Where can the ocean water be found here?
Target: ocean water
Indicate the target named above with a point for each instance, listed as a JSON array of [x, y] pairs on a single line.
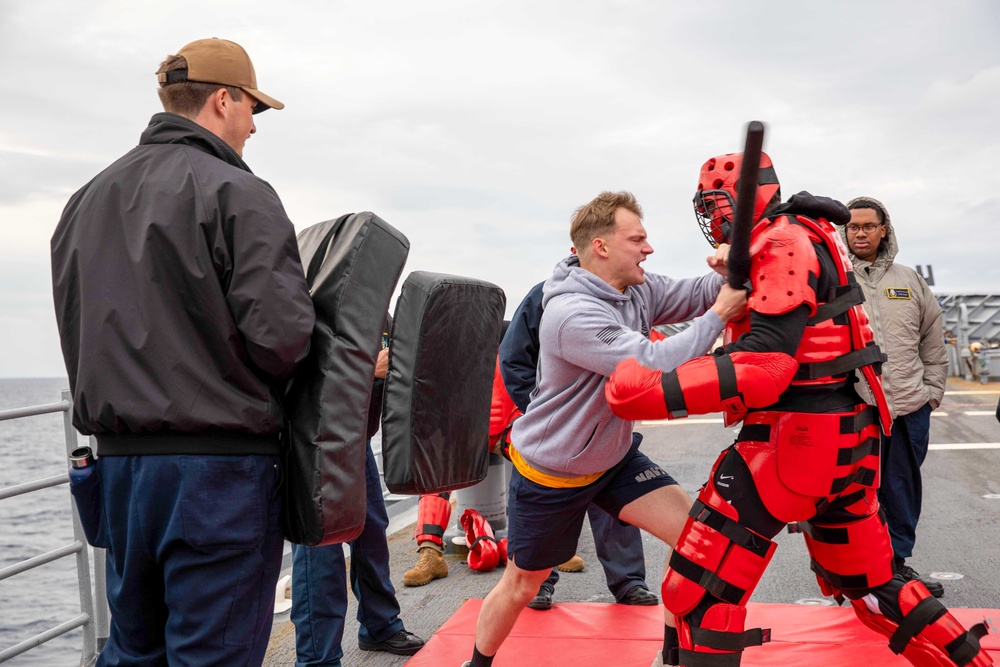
[[34, 448]]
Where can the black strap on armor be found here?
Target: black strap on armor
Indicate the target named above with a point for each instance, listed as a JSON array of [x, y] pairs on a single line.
[[840, 502], [730, 641], [737, 534], [710, 581], [869, 355], [966, 647], [754, 433], [432, 529], [695, 659], [673, 395], [842, 298], [825, 534], [727, 376], [847, 456], [862, 476], [855, 582], [849, 499], [857, 423], [926, 612]]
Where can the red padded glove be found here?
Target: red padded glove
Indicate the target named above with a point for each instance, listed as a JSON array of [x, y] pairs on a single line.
[[484, 551], [635, 392]]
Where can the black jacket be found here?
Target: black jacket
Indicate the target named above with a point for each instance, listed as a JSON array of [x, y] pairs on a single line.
[[180, 299]]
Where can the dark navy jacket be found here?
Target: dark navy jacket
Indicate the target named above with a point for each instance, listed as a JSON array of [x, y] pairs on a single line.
[[519, 349]]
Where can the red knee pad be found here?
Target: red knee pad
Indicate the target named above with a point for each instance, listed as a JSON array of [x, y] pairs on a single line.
[[433, 515], [714, 555]]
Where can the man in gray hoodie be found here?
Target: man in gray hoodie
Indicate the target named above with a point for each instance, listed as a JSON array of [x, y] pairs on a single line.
[[907, 322], [570, 450]]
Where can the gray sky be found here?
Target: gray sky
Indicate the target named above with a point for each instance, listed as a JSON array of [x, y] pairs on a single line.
[[477, 128]]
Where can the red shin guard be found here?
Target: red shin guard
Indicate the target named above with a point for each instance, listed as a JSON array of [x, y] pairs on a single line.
[[929, 635], [433, 515]]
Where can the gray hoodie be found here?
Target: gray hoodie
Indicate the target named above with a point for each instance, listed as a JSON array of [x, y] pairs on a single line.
[[587, 328], [908, 325]]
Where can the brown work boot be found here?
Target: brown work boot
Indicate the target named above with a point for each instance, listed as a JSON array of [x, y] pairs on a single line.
[[574, 564], [430, 565]]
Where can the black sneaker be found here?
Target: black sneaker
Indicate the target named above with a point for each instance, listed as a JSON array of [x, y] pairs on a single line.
[[641, 596], [542, 601], [401, 643], [935, 588]]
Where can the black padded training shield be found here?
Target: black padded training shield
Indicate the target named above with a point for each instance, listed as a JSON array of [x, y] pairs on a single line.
[[352, 266], [443, 351]]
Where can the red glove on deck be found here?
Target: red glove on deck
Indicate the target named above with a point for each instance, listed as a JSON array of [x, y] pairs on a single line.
[[485, 552]]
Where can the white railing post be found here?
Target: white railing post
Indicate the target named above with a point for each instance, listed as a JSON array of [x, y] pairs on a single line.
[[89, 650]]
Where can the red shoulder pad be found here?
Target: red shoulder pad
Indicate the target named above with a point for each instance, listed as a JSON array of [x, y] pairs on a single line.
[[782, 259]]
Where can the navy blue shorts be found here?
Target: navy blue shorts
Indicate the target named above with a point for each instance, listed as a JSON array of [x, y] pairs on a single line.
[[544, 523]]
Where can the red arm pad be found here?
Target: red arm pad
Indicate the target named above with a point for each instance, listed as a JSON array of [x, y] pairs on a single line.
[[635, 392], [727, 383]]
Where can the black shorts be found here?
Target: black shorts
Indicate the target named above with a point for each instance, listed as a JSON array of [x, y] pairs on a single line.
[[544, 523]]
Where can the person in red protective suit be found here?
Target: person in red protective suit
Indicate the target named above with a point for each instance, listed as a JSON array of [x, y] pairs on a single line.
[[808, 449]]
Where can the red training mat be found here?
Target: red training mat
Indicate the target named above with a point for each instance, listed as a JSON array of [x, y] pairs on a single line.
[[605, 635]]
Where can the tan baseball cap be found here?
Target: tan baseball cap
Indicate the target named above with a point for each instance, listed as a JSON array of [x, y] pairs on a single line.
[[223, 62]]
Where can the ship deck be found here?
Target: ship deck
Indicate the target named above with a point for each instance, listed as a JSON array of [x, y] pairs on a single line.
[[958, 541]]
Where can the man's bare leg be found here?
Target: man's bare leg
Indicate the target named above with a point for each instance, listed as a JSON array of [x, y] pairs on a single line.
[[662, 513], [504, 604]]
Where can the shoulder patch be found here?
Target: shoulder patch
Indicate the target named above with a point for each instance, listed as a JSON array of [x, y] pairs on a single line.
[[897, 292], [609, 333]]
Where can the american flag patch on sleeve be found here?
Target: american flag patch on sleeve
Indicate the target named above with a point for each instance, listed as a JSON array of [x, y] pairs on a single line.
[[609, 333]]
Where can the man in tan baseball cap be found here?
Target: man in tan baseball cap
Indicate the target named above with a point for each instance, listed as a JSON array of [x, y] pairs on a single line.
[[183, 309], [213, 83], [222, 62]]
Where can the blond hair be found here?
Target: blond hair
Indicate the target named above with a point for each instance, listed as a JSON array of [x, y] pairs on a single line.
[[596, 218]]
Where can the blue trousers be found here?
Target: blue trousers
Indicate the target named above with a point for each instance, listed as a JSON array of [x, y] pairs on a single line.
[[901, 491], [319, 586], [619, 548], [193, 556]]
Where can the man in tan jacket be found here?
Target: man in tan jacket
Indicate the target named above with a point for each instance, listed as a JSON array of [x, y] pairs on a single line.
[[908, 327]]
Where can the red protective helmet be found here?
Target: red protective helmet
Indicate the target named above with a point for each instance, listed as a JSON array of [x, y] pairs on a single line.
[[715, 200]]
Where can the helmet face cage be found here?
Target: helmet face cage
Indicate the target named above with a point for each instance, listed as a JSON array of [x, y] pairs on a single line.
[[714, 211]]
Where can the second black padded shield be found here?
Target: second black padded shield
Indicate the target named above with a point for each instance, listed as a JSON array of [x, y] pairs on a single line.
[[352, 266], [436, 416]]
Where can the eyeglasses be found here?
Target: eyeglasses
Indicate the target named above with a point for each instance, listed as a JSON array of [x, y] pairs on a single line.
[[869, 228]]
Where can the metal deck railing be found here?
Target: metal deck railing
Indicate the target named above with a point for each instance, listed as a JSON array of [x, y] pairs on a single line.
[[94, 616]]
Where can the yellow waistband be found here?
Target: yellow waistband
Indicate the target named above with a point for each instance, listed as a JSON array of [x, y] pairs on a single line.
[[544, 478]]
